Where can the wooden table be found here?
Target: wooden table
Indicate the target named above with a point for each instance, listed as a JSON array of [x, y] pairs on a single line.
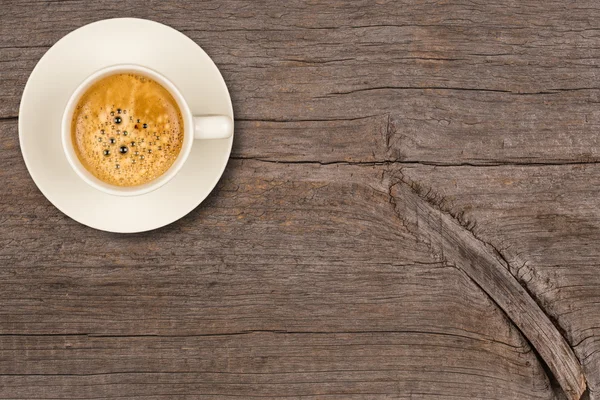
[[411, 211]]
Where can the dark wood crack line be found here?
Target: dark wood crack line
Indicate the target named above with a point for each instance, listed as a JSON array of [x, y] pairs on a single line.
[[485, 164], [467, 336], [447, 88], [451, 242], [388, 133]]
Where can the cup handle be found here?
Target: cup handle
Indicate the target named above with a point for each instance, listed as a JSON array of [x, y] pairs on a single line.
[[213, 127]]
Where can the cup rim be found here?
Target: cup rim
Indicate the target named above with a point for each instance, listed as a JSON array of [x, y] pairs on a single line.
[[87, 176]]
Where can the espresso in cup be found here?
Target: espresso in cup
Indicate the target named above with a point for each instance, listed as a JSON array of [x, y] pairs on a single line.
[[127, 129]]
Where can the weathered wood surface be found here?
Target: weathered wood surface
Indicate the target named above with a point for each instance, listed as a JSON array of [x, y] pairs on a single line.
[[411, 212]]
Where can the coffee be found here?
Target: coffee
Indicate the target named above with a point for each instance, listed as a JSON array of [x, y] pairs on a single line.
[[127, 129]]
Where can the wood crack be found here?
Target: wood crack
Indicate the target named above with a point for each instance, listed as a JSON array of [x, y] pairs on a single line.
[[368, 89], [269, 331], [287, 120], [456, 244], [523, 283], [266, 331], [388, 133], [420, 163]]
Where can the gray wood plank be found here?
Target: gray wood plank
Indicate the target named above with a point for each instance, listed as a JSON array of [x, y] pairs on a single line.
[[377, 90], [519, 89], [280, 253], [269, 364], [301, 273]]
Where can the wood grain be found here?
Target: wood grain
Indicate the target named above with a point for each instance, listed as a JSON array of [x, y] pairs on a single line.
[[549, 242], [456, 244], [322, 292], [266, 365], [411, 212]]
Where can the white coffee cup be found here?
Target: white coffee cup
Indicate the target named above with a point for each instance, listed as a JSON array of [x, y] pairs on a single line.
[[195, 127]]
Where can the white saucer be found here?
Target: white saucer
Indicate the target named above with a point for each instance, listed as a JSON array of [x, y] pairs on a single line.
[[66, 65]]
